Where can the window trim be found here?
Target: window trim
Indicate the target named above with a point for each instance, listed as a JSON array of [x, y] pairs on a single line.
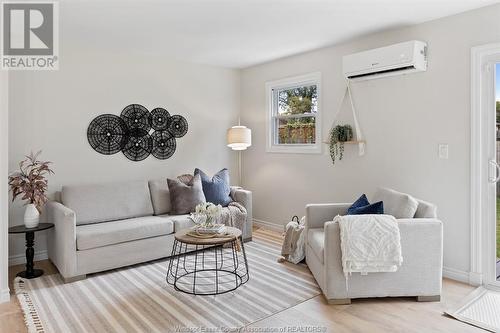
[[290, 82]]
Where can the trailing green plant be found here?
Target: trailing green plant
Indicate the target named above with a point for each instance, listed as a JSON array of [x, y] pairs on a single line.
[[338, 135]]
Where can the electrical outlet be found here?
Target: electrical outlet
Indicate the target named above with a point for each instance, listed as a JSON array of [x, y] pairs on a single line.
[[443, 151]]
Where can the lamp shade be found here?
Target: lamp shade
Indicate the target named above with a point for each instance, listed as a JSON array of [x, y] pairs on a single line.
[[239, 137]]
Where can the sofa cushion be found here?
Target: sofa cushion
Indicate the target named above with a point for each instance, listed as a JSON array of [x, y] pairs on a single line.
[[216, 189], [108, 202], [185, 197], [96, 235], [160, 196], [180, 221], [398, 204], [316, 240], [426, 210]]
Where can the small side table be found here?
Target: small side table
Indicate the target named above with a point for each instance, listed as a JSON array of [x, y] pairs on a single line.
[[30, 271]]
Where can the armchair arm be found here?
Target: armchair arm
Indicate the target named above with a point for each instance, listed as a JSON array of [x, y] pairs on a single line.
[[62, 238], [422, 249], [244, 197], [318, 214]]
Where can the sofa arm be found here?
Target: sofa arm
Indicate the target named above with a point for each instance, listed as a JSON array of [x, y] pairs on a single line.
[[318, 214], [244, 197], [62, 238]]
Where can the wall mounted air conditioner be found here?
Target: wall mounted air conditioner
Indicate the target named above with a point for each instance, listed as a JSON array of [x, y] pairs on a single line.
[[401, 58]]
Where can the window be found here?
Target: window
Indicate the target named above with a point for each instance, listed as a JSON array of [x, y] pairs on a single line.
[[294, 124]]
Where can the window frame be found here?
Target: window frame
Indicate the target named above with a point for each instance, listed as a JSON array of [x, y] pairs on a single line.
[[272, 106]]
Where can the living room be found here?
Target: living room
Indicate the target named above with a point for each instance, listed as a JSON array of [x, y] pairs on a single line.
[[267, 119]]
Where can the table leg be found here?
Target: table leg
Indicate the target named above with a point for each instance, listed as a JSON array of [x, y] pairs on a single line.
[[30, 271]]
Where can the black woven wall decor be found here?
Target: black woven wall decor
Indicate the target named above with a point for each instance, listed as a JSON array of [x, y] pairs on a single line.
[[137, 133]]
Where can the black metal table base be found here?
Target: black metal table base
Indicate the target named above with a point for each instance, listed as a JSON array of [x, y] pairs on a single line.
[[207, 269], [30, 275]]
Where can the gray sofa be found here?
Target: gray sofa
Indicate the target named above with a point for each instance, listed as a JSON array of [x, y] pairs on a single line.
[[101, 227]]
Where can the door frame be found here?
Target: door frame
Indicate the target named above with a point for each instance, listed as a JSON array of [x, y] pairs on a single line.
[[4, 194], [483, 192]]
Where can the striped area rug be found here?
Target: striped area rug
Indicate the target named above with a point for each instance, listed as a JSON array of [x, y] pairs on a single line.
[[137, 298]]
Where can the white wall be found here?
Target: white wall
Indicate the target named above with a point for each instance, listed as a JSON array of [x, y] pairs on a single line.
[[4, 222], [404, 119], [52, 110]]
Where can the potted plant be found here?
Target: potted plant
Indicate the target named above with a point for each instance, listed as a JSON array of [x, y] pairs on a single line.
[[338, 136], [30, 182]]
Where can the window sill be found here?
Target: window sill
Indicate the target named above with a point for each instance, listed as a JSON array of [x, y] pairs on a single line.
[[296, 149]]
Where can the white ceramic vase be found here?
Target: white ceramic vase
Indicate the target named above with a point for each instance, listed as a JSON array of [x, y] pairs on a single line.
[[31, 216]]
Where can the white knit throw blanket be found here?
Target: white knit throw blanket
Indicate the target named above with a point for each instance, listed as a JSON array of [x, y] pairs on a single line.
[[369, 243], [234, 215]]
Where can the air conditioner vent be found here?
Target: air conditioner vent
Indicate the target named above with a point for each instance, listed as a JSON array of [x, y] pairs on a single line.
[[401, 58]]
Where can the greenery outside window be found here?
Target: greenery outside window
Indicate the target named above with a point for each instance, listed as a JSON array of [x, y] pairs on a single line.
[[294, 108]]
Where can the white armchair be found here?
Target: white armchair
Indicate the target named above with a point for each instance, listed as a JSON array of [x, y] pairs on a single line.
[[420, 274]]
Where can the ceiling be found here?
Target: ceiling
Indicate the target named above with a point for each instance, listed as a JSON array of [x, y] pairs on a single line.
[[239, 33]]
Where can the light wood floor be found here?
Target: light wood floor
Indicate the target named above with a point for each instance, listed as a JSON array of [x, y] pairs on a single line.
[[363, 315]]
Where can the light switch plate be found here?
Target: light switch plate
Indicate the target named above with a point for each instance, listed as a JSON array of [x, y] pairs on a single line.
[[443, 151]]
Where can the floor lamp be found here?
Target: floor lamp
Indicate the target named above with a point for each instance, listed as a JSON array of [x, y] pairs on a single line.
[[239, 138]]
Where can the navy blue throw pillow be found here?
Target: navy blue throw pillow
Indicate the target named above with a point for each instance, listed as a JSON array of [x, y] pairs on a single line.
[[216, 189], [362, 201], [374, 208]]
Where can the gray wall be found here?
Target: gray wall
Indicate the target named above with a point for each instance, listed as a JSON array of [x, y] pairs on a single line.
[[404, 118], [51, 111]]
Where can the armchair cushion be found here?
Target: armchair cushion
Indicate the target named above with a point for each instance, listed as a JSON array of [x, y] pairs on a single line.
[[316, 240], [426, 210], [398, 204]]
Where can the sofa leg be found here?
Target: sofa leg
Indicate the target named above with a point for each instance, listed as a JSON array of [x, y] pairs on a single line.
[[339, 301], [74, 278], [433, 298]]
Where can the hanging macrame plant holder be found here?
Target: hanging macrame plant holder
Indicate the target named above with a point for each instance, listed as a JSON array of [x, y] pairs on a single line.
[[357, 129]]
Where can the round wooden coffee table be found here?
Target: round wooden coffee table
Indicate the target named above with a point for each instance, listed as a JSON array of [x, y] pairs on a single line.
[[207, 266]]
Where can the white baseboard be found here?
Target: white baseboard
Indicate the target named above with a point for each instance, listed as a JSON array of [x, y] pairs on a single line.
[[268, 225], [475, 279], [457, 275], [18, 259], [5, 295]]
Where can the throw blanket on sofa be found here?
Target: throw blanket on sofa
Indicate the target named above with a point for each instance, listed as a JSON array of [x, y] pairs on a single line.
[[234, 215], [369, 243]]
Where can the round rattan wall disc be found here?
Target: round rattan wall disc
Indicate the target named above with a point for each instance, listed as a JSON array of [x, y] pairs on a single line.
[[107, 134], [137, 117], [138, 148], [159, 119], [178, 126], [163, 145]]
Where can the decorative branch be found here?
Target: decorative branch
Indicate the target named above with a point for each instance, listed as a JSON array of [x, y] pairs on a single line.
[[30, 182]]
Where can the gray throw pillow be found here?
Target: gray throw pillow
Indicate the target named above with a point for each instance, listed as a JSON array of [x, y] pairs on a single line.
[[185, 197], [398, 204]]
